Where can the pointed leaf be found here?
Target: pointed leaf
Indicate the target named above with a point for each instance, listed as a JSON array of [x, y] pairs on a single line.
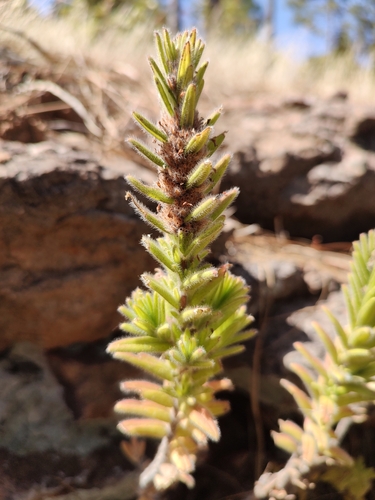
[[313, 360], [161, 52], [144, 409], [198, 141], [157, 367], [284, 441], [199, 174], [366, 314], [301, 398], [291, 428], [218, 407], [157, 252], [154, 193], [214, 143], [203, 209], [144, 427], [224, 200], [185, 62], [327, 341], [188, 107], [146, 214], [139, 344], [205, 422], [144, 151], [162, 288], [150, 128], [213, 118], [148, 390]]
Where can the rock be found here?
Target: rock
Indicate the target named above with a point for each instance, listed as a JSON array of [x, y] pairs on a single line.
[[306, 168], [360, 127], [70, 249], [90, 378], [33, 414]]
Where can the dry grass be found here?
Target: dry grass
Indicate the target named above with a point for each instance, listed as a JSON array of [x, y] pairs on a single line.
[[237, 67], [109, 73]]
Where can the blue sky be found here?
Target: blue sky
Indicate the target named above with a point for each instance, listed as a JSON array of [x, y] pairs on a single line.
[[299, 41]]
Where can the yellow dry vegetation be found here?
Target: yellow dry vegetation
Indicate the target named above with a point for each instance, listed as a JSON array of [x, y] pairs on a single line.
[[108, 74]]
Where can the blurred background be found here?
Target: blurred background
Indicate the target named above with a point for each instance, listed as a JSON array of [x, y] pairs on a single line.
[[304, 27]]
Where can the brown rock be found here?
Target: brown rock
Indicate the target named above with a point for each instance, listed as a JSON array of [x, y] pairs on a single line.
[[306, 169], [70, 250]]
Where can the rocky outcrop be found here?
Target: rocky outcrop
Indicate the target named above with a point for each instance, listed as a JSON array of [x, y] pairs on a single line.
[[70, 250], [307, 167]]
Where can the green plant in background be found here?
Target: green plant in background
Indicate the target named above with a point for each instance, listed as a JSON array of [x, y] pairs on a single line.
[[338, 389], [191, 315]]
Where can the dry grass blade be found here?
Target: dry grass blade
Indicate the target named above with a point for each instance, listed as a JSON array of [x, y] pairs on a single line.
[[63, 95], [45, 54]]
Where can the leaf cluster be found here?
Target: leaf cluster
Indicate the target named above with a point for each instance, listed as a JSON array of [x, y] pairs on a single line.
[[190, 315], [338, 389]]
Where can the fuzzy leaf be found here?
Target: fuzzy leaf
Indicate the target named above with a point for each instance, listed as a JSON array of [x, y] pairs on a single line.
[[194, 314], [161, 287], [205, 237], [203, 209], [218, 171], [232, 325], [301, 398], [205, 422], [188, 107], [148, 390], [162, 83], [291, 428], [144, 427], [199, 174], [227, 351], [200, 73], [313, 360], [156, 367], [327, 341], [132, 329], [139, 344], [284, 441], [198, 141], [198, 52], [154, 193], [213, 118], [148, 409], [144, 151], [183, 67], [199, 278], [214, 143], [223, 201], [150, 128], [157, 252], [161, 52], [146, 214], [169, 47], [165, 96]]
